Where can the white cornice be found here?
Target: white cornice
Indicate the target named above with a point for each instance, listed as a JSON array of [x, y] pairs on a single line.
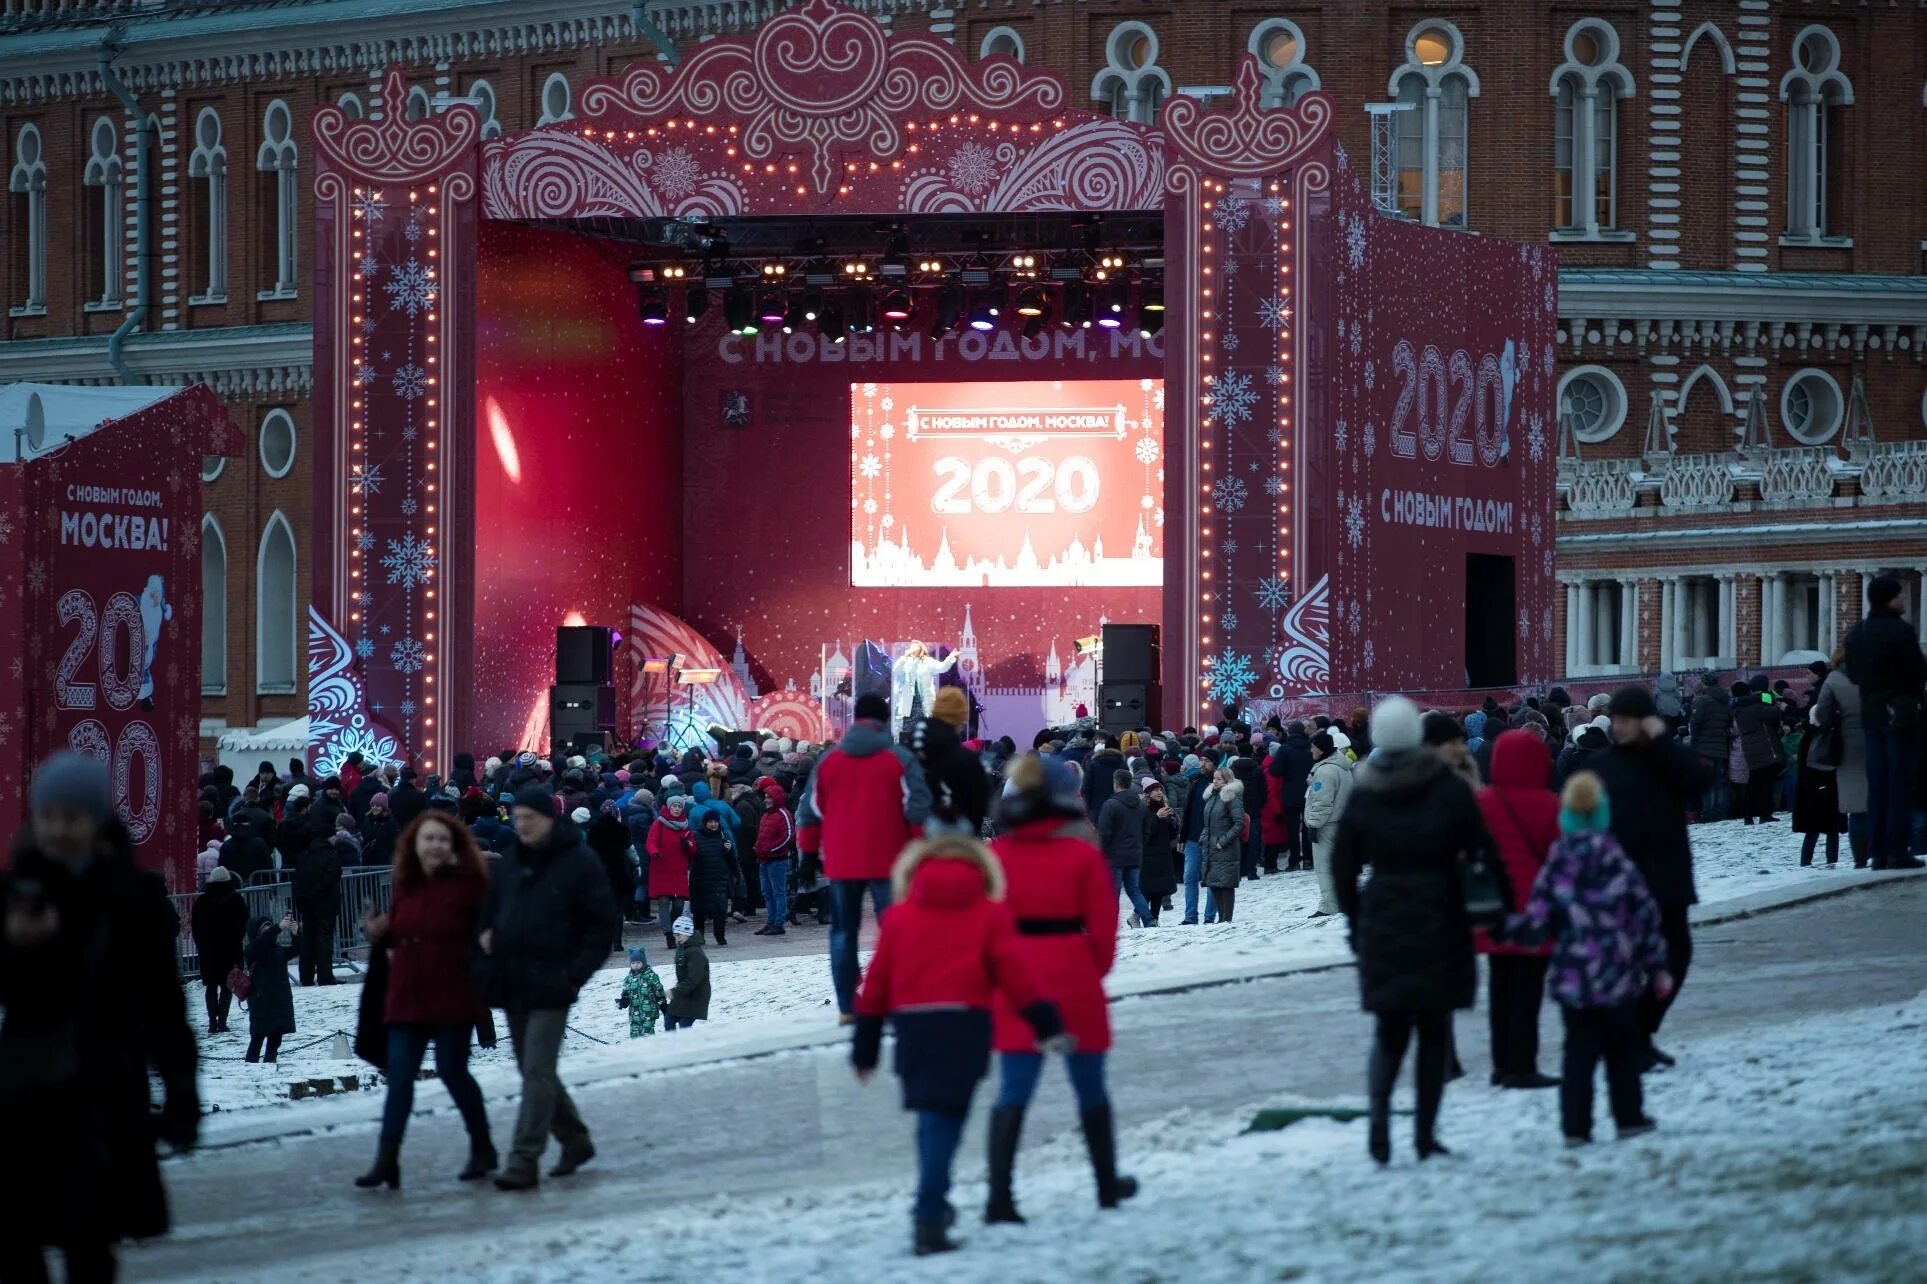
[[1791, 298], [273, 360]]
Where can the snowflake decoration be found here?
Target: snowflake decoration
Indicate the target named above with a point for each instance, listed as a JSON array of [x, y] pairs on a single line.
[[1371, 654], [1536, 437], [37, 575], [1274, 375], [1547, 361], [410, 561], [1229, 620], [1354, 522], [409, 432], [1538, 530], [411, 289], [369, 206], [1355, 240], [1233, 213], [1230, 269], [6, 528], [407, 655], [1157, 516], [1229, 547], [364, 374], [367, 481], [1146, 450], [1370, 441], [1371, 375], [1157, 397], [368, 325], [888, 521], [1230, 341], [1341, 434], [410, 382], [370, 265], [1357, 339], [1229, 675], [1228, 494], [1272, 593], [412, 230], [1354, 617], [1274, 485], [1274, 206], [365, 648], [1274, 434], [1234, 397], [973, 168], [408, 507], [1344, 158], [1546, 563], [887, 431], [1552, 299], [1144, 501], [385, 630], [365, 541], [1525, 621], [869, 466], [870, 507], [365, 598], [1545, 620], [888, 404], [676, 173], [1274, 313], [407, 708]]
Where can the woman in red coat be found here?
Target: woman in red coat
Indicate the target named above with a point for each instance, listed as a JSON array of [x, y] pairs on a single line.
[[1059, 890], [429, 933], [1522, 814], [669, 846]]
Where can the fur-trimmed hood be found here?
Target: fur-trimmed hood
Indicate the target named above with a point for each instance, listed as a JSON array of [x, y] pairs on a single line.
[[1231, 789], [947, 872]]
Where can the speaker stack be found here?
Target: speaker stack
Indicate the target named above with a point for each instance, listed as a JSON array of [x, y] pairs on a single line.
[[1131, 695], [582, 703]]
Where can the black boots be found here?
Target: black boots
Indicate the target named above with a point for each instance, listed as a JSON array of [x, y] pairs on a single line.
[[387, 1169], [1101, 1140], [931, 1237], [1006, 1125], [482, 1160], [1380, 1142], [573, 1157]]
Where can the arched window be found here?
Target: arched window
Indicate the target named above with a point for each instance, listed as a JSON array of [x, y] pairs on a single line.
[[102, 184], [351, 105], [277, 442], [1132, 83], [1280, 47], [1430, 154], [419, 107], [27, 183], [208, 164], [483, 95], [1594, 400], [1811, 407], [1814, 91], [556, 97], [275, 159], [1586, 90], [274, 610], [213, 608], [1002, 41]]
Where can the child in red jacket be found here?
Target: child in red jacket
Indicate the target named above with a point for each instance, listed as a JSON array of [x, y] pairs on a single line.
[[944, 951]]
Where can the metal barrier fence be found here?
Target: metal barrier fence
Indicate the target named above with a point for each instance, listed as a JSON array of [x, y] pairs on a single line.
[[270, 894]]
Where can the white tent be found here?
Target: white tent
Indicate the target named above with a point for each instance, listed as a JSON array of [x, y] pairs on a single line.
[[245, 750], [36, 418]]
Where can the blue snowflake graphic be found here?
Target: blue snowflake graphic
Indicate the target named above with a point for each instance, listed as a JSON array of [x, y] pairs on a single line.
[[1234, 397], [370, 266], [365, 648], [1233, 213], [1228, 494], [364, 374], [407, 708], [365, 541], [369, 206], [1229, 675], [1274, 205], [408, 507], [1354, 521], [410, 562], [1536, 437], [1230, 270], [1274, 485], [411, 289], [1229, 547], [1272, 593], [406, 655], [386, 630], [368, 481], [411, 381], [1230, 341], [1229, 619], [1274, 434], [1274, 375], [409, 432], [413, 231], [1274, 313]]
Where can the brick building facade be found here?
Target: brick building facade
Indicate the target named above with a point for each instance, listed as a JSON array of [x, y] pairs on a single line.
[[1744, 310]]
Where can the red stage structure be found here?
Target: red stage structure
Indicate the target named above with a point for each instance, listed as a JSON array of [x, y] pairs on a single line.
[[1352, 489]]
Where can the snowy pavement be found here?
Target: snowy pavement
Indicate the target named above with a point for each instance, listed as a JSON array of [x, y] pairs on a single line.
[[1732, 861]]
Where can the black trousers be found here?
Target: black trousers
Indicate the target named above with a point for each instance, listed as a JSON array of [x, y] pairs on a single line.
[[1756, 797], [1592, 1035], [1297, 850], [1679, 956], [219, 1000], [1393, 1036], [258, 1047], [315, 948], [1517, 981], [712, 909], [91, 1262]]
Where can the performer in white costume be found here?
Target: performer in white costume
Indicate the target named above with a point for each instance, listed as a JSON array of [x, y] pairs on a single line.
[[913, 684]]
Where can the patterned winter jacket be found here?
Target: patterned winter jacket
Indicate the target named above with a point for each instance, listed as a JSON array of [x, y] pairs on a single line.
[[1604, 923], [642, 994]]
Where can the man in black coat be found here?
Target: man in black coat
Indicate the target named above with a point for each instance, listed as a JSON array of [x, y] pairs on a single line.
[[379, 832], [405, 800], [546, 926], [93, 1003], [246, 852], [1251, 774], [1652, 781], [1884, 661], [1104, 764], [317, 901], [1290, 773], [959, 790]]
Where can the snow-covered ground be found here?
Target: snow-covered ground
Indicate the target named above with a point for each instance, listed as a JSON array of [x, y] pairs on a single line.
[[1273, 929], [1784, 1152]]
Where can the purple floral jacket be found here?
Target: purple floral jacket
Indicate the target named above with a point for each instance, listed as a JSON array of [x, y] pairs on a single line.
[[1593, 902]]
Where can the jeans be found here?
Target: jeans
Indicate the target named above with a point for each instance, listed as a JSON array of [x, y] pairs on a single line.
[[1713, 805], [1893, 759], [407, 1043], [846, 922], [1593, 1034], [671, 1023], [1129, 882], [1193, 872], [938, 1133], [1516, 983], [775, 877], [1678, 933], [546, 1107], [1020, 1071]]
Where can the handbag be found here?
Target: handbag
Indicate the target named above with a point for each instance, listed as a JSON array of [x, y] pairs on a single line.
[[239, 983], [1825, 748], [1482, 884]]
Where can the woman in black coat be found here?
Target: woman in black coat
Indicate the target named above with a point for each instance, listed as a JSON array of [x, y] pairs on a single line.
[[219, 920], [1158, 877], [1413, 820], [709, 874], [271, 999], [608, 838], [1816, 804]]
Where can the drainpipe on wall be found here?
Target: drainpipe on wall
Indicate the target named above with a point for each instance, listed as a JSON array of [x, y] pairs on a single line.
[[145, 129], [647, 26]]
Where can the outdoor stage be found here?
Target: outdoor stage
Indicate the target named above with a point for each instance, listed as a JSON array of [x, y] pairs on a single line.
[[1325, 465]]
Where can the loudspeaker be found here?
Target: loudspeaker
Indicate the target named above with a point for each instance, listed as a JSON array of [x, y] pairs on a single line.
[[583, 653], [1130, 653], [1126, 706], [580, 711]]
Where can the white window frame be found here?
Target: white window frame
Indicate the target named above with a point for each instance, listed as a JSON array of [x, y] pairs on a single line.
[[1131, 92], [482, 94], [1811, 437], [213, 675], [1430, 84], [1283, 84], [1588, 82], [1617, 403], [104, 171], [350, 104], [420, 106], [28, 177], [1811, 96], [278, 416], [985, 48], [208, 163], [280, 159], [548, 116], [262, 604]]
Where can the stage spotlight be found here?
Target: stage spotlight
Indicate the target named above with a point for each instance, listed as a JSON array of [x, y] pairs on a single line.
[[793, 318], [812, 303], [652, 304], [1150, 296], [1149, 320], [859, 310], [830, 323], [771, 304], [897, 304], [1111, 304], [739, 306], [1033, 301], [950, 303], [1034, 327], [695, 302], [983, 316], [1076, 310]]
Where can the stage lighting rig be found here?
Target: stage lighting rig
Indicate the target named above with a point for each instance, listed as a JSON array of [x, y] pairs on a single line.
[[771, 304], [830, 323], [897, 306], [652, 304], [1022, 266], [983, 310], [1150, 307], [950, 304], [1077, 306], [859, 309], [856, 270], [739, 307], [695, 302], [1112, 301], [812, 302], [1033, 301], [793, 318]]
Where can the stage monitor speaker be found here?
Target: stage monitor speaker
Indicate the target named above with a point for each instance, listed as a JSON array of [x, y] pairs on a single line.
[[1130, 653], [1126, 706], [580, 711], [584, 653]]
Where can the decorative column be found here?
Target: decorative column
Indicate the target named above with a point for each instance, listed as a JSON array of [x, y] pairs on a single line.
[[1681, 636], [1768, 598], [1823, 627], [1583, 655], [1572, 627], [1729, 639], [1604, 641], [1629, 624], [1782, 631], [1669, 599]]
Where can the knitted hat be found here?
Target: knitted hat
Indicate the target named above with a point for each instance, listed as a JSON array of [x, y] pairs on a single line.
[[1442, 729], [1396, 724], [1883, 589], [1633, 702], [299, 791], [872, 708], [220, 874], [1583, 805], [636, 955], [73, 780], [580, 815], [537, 799], [504, 797], [1322, 742], [1192, 762], [381, 801], [951, 706], [684, 926]]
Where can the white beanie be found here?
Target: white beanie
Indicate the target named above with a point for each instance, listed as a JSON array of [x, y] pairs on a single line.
[[1396, 724], [1339, 739], [684, 926], [299, 791], [492, 766], [580, 815], [785, 745]]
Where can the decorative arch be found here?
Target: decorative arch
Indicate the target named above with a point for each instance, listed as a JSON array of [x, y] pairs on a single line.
[[276, 608], [1705, 371], [214, 598], [1005, 42], [1710, 30]]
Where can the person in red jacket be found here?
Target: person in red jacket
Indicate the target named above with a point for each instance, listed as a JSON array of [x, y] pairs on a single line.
[[775, 837], [941, 956], [429, 932], [669, 846], [1060, 894], [865, 801], [1522, 814]]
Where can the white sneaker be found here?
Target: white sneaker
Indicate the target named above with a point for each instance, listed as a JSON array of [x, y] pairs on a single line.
[[1134, 921]]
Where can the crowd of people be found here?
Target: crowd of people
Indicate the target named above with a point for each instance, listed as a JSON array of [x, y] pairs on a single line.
[[1551, 837]]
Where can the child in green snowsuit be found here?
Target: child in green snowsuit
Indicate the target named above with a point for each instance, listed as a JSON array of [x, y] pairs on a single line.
[[641, 994]]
